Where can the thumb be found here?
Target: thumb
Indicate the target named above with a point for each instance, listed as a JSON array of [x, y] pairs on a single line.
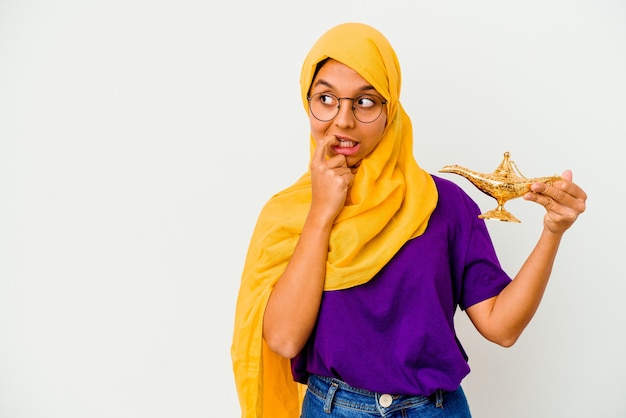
[[567, 175]]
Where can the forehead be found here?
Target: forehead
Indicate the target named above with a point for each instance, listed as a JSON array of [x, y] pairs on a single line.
[[336, 75]]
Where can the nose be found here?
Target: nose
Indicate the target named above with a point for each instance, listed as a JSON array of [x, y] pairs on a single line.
[[345, 115]]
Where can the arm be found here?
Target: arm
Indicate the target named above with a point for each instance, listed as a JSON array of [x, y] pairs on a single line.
[[503, 318], [293, 305]]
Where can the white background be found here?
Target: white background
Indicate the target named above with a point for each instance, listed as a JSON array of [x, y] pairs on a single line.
[[139, 140]]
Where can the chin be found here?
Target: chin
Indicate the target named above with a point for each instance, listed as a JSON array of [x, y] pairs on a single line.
[[354, 165]]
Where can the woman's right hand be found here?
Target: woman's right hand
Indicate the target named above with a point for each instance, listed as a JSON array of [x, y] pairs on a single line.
[[331, 179]]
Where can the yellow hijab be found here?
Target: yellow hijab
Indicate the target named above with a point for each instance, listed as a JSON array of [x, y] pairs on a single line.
[[392, 200]]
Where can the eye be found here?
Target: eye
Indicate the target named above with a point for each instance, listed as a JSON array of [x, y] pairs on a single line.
[[326, 99], [366, 102]]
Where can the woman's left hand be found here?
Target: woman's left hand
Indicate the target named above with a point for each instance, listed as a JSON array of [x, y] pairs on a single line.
[[563, 200]]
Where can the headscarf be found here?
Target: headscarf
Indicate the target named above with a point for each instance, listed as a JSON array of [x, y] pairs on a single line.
[[392, 199]]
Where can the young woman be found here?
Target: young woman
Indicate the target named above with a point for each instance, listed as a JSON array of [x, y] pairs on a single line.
[[355, 272]]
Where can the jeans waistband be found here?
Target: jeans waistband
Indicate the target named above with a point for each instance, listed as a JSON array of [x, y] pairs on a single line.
[[335, 391]]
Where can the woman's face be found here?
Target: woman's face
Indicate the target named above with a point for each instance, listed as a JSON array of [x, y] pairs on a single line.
[[355, 139]]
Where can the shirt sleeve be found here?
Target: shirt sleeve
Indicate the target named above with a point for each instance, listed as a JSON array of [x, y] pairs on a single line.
[[478, 268]]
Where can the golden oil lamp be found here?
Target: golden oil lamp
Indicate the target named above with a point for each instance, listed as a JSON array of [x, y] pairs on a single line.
[[504, 184]]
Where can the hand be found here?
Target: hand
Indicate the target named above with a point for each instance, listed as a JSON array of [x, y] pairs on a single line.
[[331, 179], [563, 200]]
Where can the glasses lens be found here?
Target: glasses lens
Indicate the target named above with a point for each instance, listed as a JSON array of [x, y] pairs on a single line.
[[366, 108], [324, 106]]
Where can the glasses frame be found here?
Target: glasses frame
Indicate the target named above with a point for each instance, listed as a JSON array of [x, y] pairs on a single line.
[[352, 99]]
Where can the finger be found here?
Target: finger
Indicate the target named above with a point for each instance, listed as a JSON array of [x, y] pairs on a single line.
[[546, 194], [319, 155], [349, 179], [549, 188], [548, 202], [561, 197], [567, 175], [543, 199], [322, 149], [569, 187], [561, 189], [540, 187], [337, 161]]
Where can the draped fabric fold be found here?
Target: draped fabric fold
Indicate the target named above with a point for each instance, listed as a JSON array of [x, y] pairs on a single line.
[[391, 199]]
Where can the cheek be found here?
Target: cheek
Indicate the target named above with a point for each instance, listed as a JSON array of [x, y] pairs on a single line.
[[383, 125], [317, 128], [376, 133]]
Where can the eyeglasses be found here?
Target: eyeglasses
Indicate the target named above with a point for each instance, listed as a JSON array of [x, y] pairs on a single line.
[[366, 108]]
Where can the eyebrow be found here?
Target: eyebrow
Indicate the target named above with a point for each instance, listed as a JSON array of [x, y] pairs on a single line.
[[327, 84]]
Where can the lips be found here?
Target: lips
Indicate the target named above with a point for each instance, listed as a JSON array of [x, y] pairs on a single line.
[[346, 147]]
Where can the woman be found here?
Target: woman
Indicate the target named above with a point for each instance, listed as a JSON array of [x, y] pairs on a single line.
[[354, 273]]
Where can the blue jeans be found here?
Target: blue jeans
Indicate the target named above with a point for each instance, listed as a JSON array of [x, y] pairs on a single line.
[[327, 397]]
